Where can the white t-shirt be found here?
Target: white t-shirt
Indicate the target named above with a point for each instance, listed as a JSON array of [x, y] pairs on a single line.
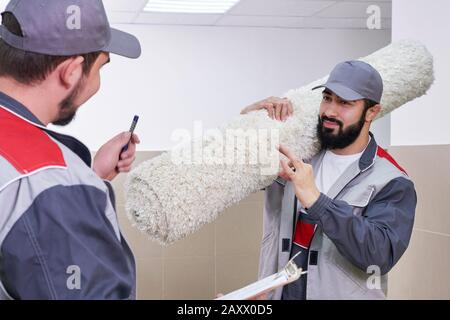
[[331, 168]]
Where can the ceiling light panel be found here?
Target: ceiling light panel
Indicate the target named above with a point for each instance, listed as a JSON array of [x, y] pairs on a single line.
[[190, 6]]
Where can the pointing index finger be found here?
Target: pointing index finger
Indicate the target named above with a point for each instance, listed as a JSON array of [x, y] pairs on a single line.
[[290, 155]]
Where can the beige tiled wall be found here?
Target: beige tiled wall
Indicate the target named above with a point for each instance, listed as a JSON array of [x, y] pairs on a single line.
[[224, 255], [424, 270]]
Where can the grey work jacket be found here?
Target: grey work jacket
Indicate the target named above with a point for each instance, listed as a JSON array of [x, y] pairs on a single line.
[[364, 221]]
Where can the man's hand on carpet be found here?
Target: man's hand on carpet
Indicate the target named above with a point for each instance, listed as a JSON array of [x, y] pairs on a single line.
[[278, 108]]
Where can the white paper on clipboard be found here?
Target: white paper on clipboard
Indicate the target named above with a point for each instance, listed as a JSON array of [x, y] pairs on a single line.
[[288, 274]]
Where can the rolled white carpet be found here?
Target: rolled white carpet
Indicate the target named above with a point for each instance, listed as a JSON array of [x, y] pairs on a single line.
[[169, 200]]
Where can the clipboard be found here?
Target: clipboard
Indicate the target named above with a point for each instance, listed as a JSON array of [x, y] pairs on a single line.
[[288, 274]]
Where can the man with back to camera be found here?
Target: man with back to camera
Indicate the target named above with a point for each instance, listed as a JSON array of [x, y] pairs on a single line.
[[59, 234], [352, 207]]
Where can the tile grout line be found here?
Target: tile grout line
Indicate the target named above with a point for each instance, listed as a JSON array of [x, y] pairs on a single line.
[[433, 232]]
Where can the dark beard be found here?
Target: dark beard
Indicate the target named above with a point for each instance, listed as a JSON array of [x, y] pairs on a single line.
[[343, 138], [67, 108]]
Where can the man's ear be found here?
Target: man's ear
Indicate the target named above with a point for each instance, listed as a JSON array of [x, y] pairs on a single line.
[[372, 113], [71, 71]]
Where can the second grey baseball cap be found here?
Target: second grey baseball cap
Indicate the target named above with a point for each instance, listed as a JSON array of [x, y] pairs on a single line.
[[355, 80], [67, 27]]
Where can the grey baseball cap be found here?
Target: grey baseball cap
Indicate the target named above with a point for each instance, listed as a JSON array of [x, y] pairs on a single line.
[[67, 27], [355, 80]]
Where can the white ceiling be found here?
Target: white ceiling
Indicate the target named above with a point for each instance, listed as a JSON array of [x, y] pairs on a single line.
[[347, 14]]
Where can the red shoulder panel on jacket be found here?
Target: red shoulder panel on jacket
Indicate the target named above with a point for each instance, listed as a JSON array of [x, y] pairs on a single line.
[[25, 146], [383, 154]]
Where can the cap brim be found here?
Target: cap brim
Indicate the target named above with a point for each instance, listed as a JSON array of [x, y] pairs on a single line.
[[123, 44], [341, 91]]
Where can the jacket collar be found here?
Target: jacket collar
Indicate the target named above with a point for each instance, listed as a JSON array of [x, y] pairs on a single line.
[[19, 109], [22, 112], [368, 157]]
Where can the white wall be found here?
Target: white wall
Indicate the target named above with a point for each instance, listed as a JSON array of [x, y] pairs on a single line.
[[424, 121], [210, 74]]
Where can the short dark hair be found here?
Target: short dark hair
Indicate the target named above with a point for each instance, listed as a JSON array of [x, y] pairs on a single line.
[[28, 67], [369, 104]]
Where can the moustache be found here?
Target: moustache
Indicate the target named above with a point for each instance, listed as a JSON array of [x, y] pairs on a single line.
[[325, 118]]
